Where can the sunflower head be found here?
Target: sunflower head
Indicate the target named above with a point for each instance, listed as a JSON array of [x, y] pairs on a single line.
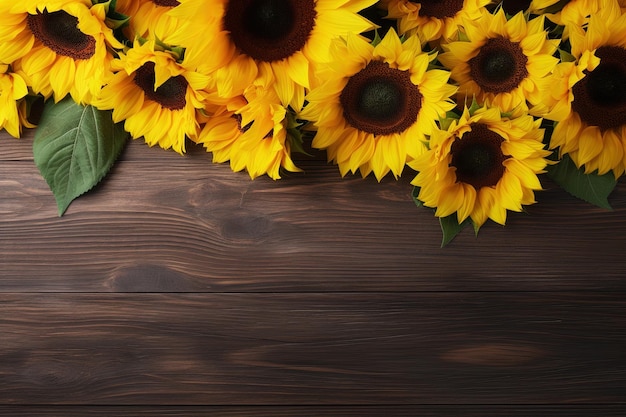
[[377, 104], [59, 47], [155, 96], [482, 165], [151, 19], [589, 94], [433, 20], [290, 36], [503, 62], [253, 131], [270, 30]]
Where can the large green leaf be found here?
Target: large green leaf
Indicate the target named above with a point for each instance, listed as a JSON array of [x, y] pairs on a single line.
[[592, 188], [74, 148]]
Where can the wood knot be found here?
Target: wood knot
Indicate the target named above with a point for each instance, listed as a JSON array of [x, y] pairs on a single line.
[[245, 226], [148, 278], [493, 354]]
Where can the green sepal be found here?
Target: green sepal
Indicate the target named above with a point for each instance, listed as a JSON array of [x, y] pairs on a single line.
[[445, 122], [296, 142], [592, 188], [295, 135], [450, 227], [555, 8], [555, 31], [74, 148], [114, 19], [565, 56], [463, 36], [414, 194], [377, 39], [117, 20], [177, 52], [474, 106], [507, 114], [475, 226]]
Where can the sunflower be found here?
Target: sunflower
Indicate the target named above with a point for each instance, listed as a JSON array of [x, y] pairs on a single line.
[[150, 18], [589, 94], [59, 47], [155, 96], [574, 13], [252, 131], [13, 89], [481, 166], [289, 35], [378, 104], [433, 20], [512, 7], [503, 63]]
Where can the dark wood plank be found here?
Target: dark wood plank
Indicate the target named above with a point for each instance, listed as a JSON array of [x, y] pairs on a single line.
[[313, 349], [12, 149], [182, 224], [313, 411]]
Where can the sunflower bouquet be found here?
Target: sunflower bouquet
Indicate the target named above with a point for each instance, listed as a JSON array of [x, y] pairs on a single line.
[[476, 99]]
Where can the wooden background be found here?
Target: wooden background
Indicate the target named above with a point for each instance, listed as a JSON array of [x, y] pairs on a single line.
[[178, 287]]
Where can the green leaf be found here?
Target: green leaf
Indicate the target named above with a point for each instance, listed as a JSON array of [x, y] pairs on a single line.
[[414, 194], [74, 148], [592, 188], [450, 227]]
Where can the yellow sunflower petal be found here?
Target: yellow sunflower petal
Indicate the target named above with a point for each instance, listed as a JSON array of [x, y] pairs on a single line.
[[355, 137]]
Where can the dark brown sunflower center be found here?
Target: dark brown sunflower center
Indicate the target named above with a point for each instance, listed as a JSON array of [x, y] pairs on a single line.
[[478, 157], [170, 94], [166, 3], [513, 7], [499, 67], [59, 32], [439, 8], [270, 30], [600, 97], [381, 100]]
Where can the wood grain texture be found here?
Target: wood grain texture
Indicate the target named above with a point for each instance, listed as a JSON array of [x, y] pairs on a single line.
[[312, 349], [177, 223], [180, 288], [313, 411], [12, 149]]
